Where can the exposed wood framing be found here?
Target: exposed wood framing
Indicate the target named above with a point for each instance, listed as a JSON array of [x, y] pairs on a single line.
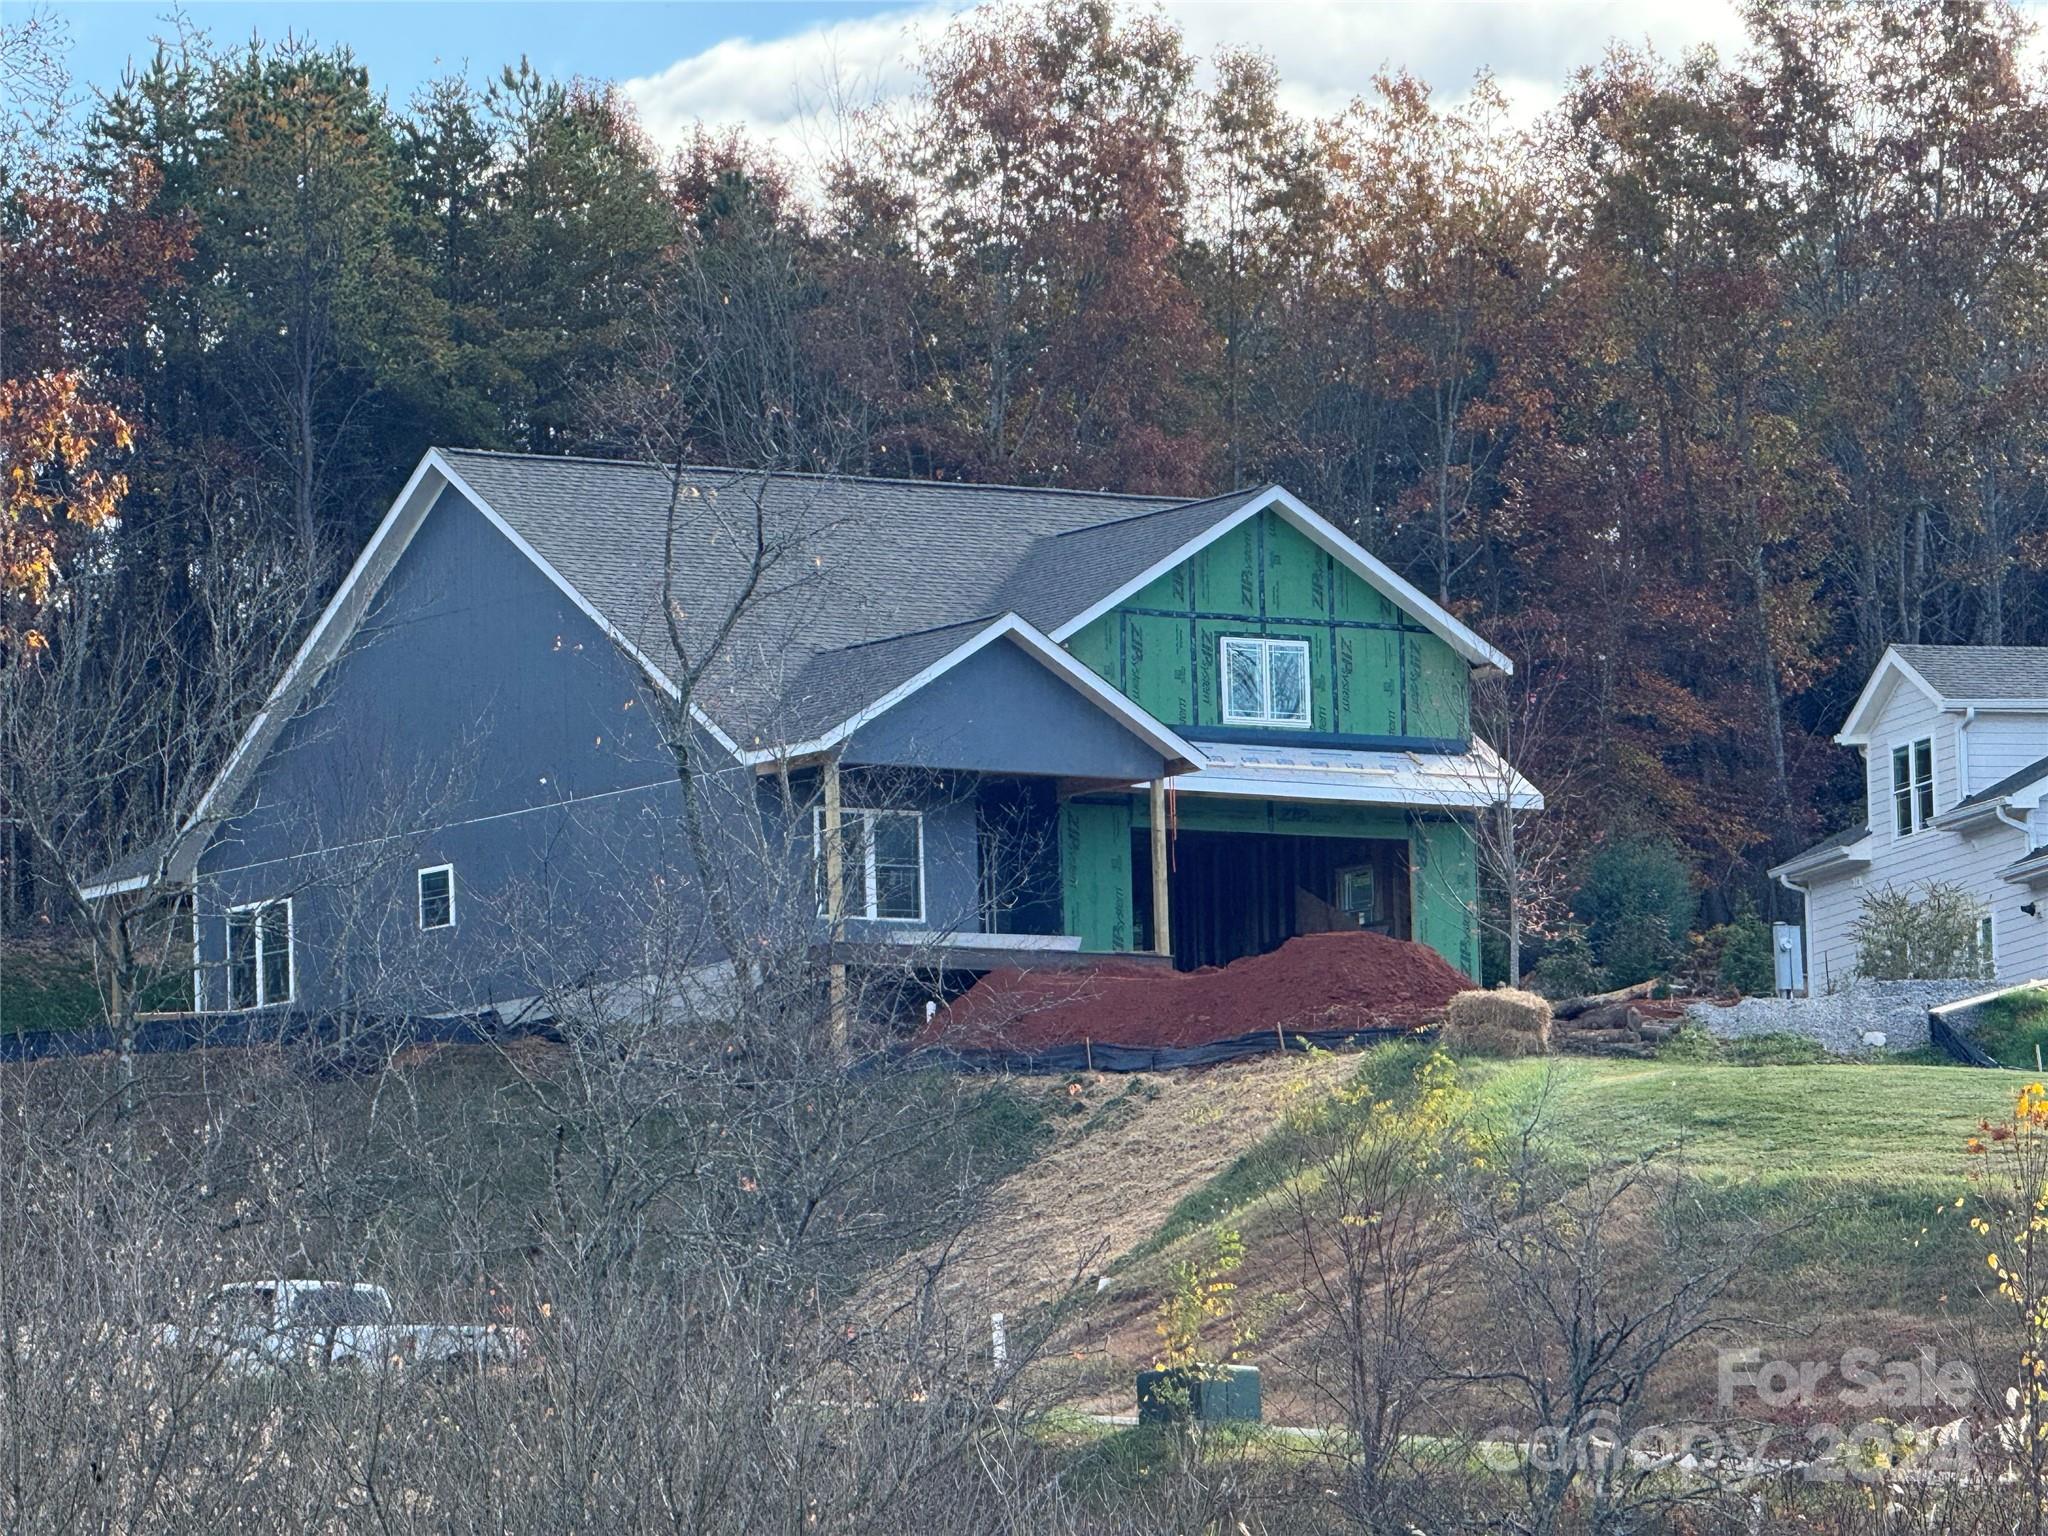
[[1162, 905]]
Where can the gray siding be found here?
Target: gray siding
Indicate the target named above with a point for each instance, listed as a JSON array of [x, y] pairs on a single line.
[[479, 719], [1003, 711]]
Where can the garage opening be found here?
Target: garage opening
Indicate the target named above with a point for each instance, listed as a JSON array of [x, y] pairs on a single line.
[[1244, 893]]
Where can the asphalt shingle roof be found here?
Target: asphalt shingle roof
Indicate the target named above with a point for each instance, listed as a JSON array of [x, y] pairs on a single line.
[[1834, 840], [858, 561], [2038, 769], [1981, 671]]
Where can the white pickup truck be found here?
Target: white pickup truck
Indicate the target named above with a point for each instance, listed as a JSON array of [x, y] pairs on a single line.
[[262, 1325]]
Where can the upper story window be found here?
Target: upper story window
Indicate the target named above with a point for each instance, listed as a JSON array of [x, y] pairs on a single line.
[[1265, 681], [884, 863], [260, 954], [437, 896], [1912, 786]]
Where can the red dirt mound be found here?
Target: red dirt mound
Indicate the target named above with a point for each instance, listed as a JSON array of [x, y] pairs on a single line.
[[1316, 982]]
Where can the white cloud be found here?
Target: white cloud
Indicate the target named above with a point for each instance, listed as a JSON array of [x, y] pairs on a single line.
[[787, 90], [784, 89]]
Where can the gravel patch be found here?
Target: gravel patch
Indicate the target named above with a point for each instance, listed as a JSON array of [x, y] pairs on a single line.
[[1840, 1020]]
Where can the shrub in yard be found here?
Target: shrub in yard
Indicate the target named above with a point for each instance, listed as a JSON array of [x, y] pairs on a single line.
[[1568, 970], [1934, 936], [1747, 965], [1636, 901], [1503, 1022]]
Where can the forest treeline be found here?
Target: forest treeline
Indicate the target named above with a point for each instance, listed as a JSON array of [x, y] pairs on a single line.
[[1695, 395]]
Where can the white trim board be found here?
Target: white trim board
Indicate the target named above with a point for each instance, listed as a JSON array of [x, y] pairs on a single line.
[[1890, 671], [115, 887], [1355, 557]]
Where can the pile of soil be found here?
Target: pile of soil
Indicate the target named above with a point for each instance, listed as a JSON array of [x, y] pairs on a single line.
[[1322, 981]]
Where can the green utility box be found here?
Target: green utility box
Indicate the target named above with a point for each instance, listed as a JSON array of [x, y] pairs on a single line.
[[1219, 1395]]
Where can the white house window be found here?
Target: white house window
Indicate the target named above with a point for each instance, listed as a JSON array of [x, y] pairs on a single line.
[[1265, 681], [260, 954], [1987, 948], [1912, 786], [884, 863], [437, 896]]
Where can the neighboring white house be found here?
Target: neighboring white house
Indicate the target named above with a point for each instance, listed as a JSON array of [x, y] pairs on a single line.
[[1955, 748]]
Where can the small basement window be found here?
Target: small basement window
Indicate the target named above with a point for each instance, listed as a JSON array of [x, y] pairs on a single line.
[[1265, 681], [884, 863], [437, 896], [1912, 786], [260, 954]]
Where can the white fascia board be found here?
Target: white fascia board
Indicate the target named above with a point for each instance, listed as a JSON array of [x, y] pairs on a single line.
[[1890, 667], [1041, 647], [115, 887], [1810, 864], [1355, 556]]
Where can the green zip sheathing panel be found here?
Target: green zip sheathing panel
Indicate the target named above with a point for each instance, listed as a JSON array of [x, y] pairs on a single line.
[[1443, 882], [1095, 873], [1373, 670]]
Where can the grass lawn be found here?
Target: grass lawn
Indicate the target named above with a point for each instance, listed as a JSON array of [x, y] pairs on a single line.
[[1854, 1167], [2009, 1028], [43, 986], [1876, 1128]]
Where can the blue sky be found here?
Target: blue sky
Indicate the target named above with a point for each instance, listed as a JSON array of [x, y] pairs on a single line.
[[407, 42]]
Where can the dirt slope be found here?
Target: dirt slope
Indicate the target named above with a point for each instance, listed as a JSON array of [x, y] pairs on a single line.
[[1127, 1153]]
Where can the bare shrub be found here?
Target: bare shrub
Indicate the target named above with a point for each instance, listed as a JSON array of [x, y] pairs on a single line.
[[1934, 935]]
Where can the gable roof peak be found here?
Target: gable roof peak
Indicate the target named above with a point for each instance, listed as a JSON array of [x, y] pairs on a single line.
[[1952, 677]]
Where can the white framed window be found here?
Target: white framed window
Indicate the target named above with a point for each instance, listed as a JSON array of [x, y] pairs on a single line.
[[437, 896], [260, 969], [884, 863], [1265, 681], [1987, 945], [1912, 786]]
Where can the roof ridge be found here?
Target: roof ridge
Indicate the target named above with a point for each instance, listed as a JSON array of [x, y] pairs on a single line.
[[1964, 645], [1179, 506], [1167, 503]]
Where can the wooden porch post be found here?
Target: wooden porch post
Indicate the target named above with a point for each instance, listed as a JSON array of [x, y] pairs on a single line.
[[1162, 916], [835, 907]]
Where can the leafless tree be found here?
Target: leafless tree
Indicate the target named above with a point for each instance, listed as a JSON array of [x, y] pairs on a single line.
[[112, 733], [1521, 854], [1373, 1202], [1593, 1283]]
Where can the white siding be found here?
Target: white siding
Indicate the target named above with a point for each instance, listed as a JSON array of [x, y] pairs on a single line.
[[1934, 854], [2004, 744]]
